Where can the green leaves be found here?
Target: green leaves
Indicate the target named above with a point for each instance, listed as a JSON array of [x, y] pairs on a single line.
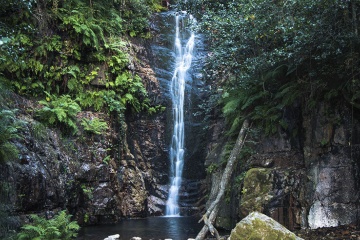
[[83, 56], [59, 111], [78, 52], [94, 125], [58, 228], [9, 126], [268, 54], [86, 27]]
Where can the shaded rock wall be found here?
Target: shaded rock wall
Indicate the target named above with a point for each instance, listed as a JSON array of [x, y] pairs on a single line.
[[55, 172], [305, 176], [331, 156]]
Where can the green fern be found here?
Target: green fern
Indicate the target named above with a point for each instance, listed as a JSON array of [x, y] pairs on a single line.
[[58, 228], [8, 131], [85, 38], [59, 110], [93, 99], [95, 125], [38, 130]]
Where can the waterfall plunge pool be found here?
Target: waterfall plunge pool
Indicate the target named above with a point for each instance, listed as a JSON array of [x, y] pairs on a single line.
[[156, 228]]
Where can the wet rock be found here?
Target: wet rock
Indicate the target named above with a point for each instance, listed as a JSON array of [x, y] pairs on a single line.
[[113, 237], [261, 227], [133, 192], [281, 159], [155, 205], [278, 143]]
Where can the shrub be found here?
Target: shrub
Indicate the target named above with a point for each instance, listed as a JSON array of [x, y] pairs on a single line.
[[59, 110], [95, 125], [60, 227]]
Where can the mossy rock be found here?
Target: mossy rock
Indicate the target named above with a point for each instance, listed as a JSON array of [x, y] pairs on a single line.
[[257, 190], [257, 226]]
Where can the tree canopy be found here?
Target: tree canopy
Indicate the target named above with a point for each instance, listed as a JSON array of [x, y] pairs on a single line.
[[267, 55]]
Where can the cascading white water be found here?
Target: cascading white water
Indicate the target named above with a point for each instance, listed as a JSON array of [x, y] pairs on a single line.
[[177, 90]]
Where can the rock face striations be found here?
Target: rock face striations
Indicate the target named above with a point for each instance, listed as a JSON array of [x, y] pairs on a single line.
[[305, 176]]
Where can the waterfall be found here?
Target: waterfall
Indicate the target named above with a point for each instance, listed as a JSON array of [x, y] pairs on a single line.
[[177, 90]]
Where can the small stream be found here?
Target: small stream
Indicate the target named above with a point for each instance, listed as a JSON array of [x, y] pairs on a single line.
[[175, 228]]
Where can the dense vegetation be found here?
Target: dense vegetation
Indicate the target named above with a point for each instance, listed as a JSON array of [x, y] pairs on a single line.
[[69, 56], [267, 56], [59, 227], [74, 55]]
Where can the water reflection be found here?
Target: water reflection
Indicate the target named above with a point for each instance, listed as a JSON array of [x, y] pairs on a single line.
[[156, 228]]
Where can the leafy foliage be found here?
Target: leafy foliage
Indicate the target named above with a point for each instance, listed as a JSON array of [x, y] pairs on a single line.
[[59, 227], [212, 168], [77, 49], [95, 125], [59, 110], [136, 14], [8, 131], [266, 55]]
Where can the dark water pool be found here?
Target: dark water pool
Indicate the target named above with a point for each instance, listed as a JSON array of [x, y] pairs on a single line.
[[156, 228]]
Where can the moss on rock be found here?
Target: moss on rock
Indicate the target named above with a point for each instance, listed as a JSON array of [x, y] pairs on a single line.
[[257, 190], [257, 226]]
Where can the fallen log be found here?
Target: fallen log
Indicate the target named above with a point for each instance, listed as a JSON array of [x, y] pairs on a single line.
[[211, 213]]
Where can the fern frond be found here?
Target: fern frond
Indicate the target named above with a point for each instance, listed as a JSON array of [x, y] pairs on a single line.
[[34, 230], [60, 110], [58, 228], [60, 114], [8, 130], [231, 106], [250, 101]]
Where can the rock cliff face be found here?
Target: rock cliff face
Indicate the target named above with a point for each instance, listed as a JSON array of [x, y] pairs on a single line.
[[302, 178], [98, 178], [122, 172]]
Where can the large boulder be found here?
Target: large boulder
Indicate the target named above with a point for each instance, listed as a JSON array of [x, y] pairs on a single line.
[[259, 226]]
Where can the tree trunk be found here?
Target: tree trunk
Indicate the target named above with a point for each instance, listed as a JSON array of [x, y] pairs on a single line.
[[211, 213], [354, 19]]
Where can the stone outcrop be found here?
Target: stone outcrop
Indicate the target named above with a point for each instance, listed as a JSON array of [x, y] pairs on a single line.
[[256, 190], [56, 172], [260, 227], [331, 153], [305, 176]]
